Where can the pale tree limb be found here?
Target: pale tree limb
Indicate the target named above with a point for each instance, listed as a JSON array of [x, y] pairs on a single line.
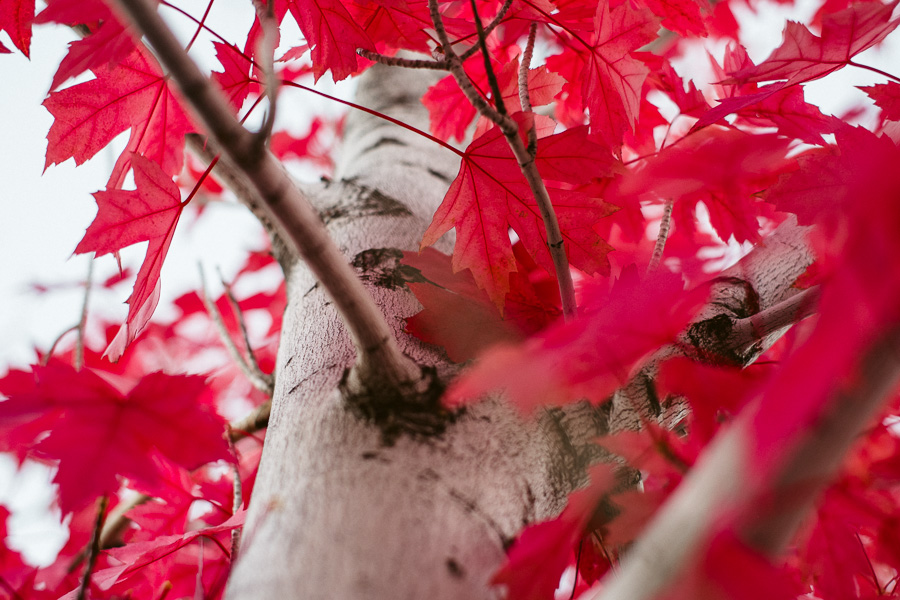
[[526, 160], [721, 479], [379, 363]]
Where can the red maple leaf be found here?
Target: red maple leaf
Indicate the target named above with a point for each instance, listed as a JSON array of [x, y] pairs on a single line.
[[803, 56], [137, 557], [589, 357], [490, 195], [97, 431], [539, 555], [887, 98], [239, 77], [331, 32], [16, 17], [460, 317], [133, 94], [126, 217], [778, 104], [601, 75], [724, 168]]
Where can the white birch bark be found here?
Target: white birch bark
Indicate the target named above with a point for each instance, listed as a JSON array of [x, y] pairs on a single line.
[[420, 504]]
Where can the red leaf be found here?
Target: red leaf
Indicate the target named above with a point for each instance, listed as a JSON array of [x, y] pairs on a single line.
[[133, 94], [333, 35], [490, 195], [589, 357], [97, 431], [109, 45], [886, 97], [239, 78], [147, 214], [725, 168], [16, 17], [602, 77], [803, 57], [140, 555], [777, 104], [539, 555], [460, 317]]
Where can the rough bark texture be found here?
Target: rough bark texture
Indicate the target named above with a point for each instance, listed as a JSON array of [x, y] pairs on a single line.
[[370, 498], [350, 505]]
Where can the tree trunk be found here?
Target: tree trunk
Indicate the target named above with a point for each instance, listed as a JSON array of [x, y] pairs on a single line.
[[355, 501]]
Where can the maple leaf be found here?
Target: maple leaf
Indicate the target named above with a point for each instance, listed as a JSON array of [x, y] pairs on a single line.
[[591, 356], [133, 94], [16, 17], [778, 104], [331, 32], [490, 195], [886, 97], [97, 431], [681, 16], [239, 77], [460, 317], [126, 217], [601, 76], [539, 555], [803, 56], [138, 556], [725, 168]]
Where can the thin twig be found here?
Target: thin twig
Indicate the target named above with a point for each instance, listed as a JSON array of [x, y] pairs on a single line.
[[242, 326], [379, 362], [488, 30], [524, 95], [661, 237], [55, 343], [462, 79], [94, 550], [408, 63], [752, 329], [256, 420], [488, 67], [250, 368]]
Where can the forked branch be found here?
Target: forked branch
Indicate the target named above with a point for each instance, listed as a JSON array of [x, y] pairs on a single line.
[[525, 157], [379, 361]]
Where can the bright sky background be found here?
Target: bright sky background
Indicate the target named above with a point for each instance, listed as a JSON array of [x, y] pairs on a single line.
[[43, 217]]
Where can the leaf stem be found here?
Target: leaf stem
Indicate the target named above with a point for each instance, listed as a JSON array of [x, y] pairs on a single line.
[[379, 362], [94, 550], [874, 70]]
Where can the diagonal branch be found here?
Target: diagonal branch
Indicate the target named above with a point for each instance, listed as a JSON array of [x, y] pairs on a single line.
[[379, 362]]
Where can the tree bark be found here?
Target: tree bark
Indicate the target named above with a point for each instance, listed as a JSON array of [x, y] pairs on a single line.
[[371, 498]]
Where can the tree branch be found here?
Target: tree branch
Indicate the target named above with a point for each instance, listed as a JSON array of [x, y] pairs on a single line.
[[379, 363], [526, 160]]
